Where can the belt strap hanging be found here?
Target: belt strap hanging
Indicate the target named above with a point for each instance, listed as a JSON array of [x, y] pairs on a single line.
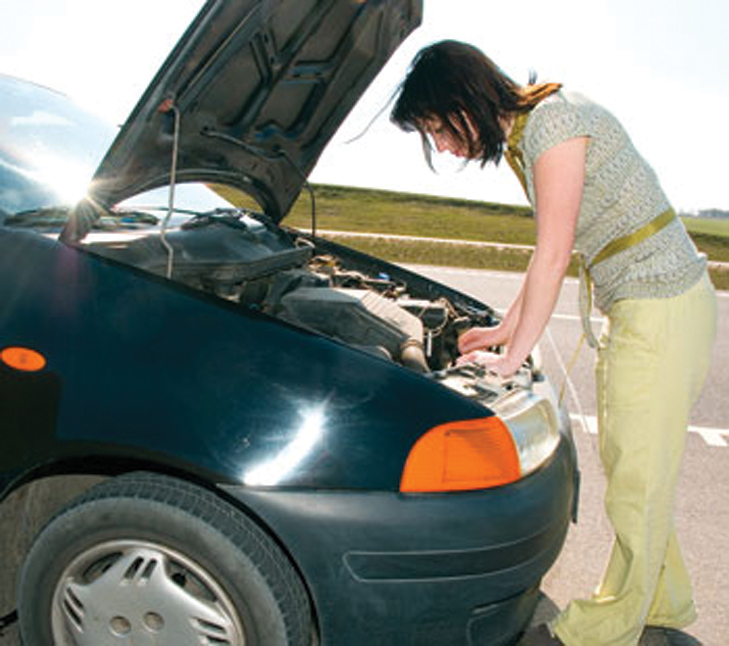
[[512, 153]]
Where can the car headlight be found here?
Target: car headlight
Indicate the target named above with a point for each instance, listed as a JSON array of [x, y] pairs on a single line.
[[485, 452]]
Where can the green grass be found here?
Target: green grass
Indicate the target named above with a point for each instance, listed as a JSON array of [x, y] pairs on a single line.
[[439, 254], [375, 211], [711, 235], [715, 247], [708, 226]]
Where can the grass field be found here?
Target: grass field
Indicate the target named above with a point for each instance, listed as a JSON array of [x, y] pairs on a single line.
[[708, 226], [375, 211]]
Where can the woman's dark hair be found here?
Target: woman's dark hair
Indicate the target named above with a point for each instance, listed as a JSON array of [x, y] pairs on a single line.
[[449, 80]]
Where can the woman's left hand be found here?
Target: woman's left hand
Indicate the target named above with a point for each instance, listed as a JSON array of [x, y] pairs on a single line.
[[501, 364]]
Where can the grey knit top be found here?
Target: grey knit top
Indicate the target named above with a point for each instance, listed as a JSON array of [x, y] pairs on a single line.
[[621, 194]]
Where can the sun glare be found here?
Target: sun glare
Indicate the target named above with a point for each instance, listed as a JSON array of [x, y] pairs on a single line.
[[69, 180]]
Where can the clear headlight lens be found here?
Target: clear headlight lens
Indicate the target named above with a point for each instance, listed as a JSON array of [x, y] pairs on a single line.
[[533, 423]]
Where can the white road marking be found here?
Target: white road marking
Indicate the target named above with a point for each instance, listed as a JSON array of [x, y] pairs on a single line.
[[571, 317], [718, 437], [596, 320]]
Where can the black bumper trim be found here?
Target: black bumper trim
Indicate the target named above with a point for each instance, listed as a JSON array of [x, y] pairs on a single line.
[[410, 566]]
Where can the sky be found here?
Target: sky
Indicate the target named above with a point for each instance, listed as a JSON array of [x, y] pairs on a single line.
[[659, 65]]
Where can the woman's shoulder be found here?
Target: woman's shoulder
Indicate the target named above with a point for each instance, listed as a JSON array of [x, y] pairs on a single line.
[[561, 116], [564, 102]]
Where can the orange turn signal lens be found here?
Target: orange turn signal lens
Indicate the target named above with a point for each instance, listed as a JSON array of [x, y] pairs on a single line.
[[23, 359], [464, 455]]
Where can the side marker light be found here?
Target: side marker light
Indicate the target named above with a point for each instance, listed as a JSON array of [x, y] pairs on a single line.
[[23, 359]]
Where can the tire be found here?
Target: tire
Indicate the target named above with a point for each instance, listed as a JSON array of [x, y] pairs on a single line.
[[148, 559]]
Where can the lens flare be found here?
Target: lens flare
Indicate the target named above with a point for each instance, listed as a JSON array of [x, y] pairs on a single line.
[[304, 439]]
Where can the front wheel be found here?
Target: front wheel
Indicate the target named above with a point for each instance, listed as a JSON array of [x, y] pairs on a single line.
[[147, 559]]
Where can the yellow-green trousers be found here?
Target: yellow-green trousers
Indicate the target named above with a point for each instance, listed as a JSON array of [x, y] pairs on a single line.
[[653, 358]]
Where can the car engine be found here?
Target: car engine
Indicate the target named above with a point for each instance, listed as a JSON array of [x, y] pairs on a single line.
[[315, 284]]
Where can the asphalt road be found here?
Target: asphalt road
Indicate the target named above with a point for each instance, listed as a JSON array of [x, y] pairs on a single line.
[[702, 507]]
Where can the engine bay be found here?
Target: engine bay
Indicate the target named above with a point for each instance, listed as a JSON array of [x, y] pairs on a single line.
[[313, 283]]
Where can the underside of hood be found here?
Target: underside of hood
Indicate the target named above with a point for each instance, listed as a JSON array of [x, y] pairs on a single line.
[[251, 95]]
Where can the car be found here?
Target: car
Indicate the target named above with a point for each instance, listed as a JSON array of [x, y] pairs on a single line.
[[285, 449]]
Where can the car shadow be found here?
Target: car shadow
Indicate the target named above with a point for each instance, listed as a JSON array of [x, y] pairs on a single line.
[[546, 610]]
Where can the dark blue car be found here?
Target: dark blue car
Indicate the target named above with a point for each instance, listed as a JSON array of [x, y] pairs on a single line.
[[287, 451]]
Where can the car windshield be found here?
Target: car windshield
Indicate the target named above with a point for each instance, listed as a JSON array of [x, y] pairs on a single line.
[[49, 150], [49, 147]]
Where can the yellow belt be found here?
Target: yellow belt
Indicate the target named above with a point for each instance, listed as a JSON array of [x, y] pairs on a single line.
[[609, 250]]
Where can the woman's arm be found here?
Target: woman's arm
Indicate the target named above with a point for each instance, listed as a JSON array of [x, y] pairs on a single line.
[[478, 338], [559, 175]]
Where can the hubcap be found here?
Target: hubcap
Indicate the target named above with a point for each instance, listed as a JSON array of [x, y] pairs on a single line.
[[131, 592]]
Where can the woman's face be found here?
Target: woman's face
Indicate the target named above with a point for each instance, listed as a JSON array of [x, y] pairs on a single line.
[[445, 140]]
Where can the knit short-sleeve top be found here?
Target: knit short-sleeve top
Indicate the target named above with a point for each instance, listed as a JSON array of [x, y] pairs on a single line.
[[621, 194]]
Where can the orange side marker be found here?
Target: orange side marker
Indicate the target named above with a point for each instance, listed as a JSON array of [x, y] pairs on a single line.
[[23, 359]]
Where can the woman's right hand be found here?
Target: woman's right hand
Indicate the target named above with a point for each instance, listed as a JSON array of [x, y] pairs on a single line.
[[481, 338]]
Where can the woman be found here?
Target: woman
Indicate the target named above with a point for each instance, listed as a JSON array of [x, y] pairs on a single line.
[[592, 194]]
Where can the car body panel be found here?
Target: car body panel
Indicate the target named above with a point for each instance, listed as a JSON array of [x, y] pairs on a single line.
[[192, 366]]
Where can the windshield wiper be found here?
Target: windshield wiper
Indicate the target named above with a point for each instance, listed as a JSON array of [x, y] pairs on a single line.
[[52, 216], [57, 216]]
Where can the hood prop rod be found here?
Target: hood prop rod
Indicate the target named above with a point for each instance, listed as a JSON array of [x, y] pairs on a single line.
[[169, 106]]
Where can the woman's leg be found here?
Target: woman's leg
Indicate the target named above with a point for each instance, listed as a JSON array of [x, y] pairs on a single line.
[[650, 369]]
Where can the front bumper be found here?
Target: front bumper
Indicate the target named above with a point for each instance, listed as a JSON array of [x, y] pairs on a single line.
[[458, 568]]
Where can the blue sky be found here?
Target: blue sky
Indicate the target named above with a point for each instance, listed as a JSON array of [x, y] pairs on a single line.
[[660, 66]]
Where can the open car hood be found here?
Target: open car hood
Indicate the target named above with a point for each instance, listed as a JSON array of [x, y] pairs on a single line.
[[251, 94]]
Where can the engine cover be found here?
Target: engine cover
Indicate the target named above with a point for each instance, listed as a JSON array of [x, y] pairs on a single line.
[[354, 316]]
